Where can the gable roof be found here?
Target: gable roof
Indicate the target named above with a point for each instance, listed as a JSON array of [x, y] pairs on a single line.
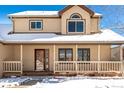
[[51, 13], [81, 6]]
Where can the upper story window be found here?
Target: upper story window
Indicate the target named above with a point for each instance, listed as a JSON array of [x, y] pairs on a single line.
[[75, 23], [36, 25], [75, 16]]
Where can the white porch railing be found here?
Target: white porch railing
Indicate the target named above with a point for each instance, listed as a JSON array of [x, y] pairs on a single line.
[[12, 66], [89, 66]]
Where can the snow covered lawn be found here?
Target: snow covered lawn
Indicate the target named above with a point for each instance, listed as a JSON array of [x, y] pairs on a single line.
[[80, 82], [63, 82], [12, 82]]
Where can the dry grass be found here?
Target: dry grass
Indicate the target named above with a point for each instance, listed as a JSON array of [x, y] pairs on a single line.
[[90, 74]]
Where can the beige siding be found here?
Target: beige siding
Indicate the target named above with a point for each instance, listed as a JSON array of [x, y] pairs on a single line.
[[17, 52], [85, 16], [6, 52], [105, 52], [94, 25], [58, 25], [49, 24], [21, 25]]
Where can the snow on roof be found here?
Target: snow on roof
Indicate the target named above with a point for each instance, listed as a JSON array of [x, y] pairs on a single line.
[[106, 35], [97, 14], [41, 13], [35, 13]]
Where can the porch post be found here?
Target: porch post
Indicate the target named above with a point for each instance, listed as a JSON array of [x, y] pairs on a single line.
[[54, 57], [21, 57], [98, 58], [121, 58], [121, 52], [76, 47]]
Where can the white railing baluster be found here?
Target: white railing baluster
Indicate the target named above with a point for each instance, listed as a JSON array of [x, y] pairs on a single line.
[[83, 66], [12, 66]]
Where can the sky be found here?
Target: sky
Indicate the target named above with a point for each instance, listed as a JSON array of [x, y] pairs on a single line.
[[113, 15]]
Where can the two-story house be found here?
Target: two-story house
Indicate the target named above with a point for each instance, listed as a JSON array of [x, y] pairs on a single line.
[[69, 40]]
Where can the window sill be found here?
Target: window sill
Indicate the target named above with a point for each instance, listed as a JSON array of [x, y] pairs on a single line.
[[75, 33], [36, 29]]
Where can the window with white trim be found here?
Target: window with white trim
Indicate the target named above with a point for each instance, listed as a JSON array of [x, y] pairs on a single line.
[[75, 23], [36, 25]]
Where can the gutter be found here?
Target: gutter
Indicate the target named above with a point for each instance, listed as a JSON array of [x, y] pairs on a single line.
[[63, 42]]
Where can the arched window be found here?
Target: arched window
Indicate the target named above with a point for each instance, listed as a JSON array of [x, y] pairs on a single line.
[[75, 16], [75, 23]]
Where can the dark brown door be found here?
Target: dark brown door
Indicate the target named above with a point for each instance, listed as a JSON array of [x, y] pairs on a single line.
[[41, 59]]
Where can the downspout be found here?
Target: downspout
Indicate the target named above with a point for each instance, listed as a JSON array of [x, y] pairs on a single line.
[[13, 25], [99, 25]]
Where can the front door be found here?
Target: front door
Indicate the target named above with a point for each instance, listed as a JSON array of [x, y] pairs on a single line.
[[41, 59]]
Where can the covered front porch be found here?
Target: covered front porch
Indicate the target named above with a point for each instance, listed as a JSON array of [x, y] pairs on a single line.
[[74, 65], [86, 66]]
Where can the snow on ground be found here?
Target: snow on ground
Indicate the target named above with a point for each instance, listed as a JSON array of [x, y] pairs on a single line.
[[80, 82], [64, 82], [12, 82]]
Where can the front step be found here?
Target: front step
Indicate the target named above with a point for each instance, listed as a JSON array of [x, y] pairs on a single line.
[[37, 73]]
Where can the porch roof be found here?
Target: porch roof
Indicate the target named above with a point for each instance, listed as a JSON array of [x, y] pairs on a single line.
[[106, 36]]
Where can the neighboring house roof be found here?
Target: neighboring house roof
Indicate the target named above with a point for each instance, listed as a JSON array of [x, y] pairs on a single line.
[[106, 36], [51, 13], [2, 26], [115, 46], [1, 39]]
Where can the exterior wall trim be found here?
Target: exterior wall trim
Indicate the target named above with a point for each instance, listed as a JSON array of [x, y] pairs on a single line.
[[63, 42]]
